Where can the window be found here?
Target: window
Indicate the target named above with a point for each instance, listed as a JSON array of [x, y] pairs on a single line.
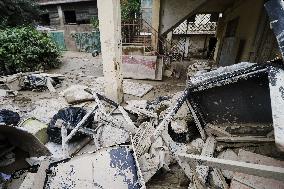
[[70, 17], [45, 20]]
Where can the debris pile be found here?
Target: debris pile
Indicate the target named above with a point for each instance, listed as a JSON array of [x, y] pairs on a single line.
[[31, 81], [198, 68], [206, 130]]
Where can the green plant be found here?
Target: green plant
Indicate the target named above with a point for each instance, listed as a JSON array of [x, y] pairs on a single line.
[[95, 23], [129, 8], [26, 49]]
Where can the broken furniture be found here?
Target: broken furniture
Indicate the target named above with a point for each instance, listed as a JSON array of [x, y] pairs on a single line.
[[240, 95], [22, 144], [237, 104], [101, 118], [70, 117], [32, 81]]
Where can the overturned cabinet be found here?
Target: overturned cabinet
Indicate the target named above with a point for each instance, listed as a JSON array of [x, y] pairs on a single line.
[[246, 97]]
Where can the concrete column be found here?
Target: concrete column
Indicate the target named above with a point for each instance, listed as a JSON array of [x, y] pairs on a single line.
[[155, 22], [60, 15], [110, 36]]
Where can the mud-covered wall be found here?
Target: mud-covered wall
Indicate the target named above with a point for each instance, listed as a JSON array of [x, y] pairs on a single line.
[[196, 46], [250, 28]]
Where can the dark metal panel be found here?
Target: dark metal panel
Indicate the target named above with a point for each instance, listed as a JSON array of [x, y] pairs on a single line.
[[247, 101]]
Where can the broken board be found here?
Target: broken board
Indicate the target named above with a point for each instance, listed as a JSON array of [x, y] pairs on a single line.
[[107, 168]]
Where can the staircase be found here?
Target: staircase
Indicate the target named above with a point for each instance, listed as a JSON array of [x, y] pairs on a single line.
[[137, 32]]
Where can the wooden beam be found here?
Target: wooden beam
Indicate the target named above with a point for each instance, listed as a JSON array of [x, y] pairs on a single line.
[[253, 139], [213, 130], [272, 172]]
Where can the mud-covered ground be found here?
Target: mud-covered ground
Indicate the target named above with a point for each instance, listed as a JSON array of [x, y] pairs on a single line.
[[78, 68]]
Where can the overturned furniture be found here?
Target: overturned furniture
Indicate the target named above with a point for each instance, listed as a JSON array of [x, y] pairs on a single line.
[[244, 95], [233, 107]]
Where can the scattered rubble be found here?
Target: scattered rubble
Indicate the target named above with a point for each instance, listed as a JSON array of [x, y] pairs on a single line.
[[212, 141], [136, 89], [76, 94], [32, 81], [198, 68]]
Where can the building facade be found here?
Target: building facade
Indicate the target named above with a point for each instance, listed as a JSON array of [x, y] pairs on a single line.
[[67, 12]]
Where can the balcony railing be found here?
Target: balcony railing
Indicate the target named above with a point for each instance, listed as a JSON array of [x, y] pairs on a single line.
[[201, 25]]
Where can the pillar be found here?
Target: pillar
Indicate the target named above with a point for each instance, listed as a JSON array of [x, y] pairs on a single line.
[[60, 15], [155, 23], [110, 36]]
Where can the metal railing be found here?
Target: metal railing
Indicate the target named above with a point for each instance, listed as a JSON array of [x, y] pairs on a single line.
[[140, 33]]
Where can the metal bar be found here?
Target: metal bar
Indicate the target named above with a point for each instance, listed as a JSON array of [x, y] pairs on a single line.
[[196, 120], [81, 123], [250, 139]]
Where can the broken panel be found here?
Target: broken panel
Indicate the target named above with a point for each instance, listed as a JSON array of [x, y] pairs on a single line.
[[107, 168]]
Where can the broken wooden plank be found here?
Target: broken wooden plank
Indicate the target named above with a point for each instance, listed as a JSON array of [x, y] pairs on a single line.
[[272, 172], [251, 157], [218, 180], [208, 151], [127, 119], [252, 139], [140, 111], [224, 145], [49, 85], [241, 179], [213, 130]]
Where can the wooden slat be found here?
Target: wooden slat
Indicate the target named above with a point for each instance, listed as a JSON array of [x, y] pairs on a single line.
[[244, 139]]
